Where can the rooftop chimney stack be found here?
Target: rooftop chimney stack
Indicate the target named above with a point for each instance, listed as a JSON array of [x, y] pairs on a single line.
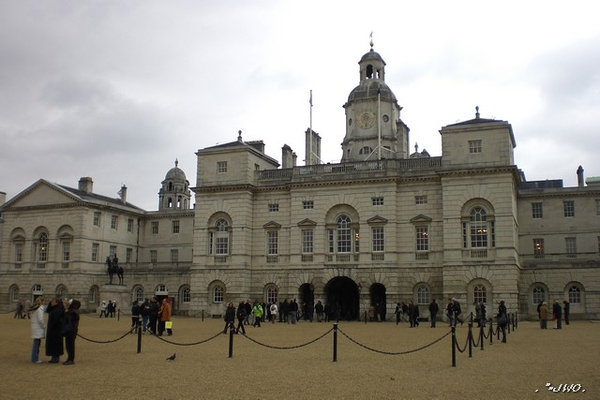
[[86, 184], [580, 176], [123, 194]]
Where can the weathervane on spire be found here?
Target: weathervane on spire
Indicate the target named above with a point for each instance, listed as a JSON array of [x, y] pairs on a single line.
[[371, 36], [176, 163]]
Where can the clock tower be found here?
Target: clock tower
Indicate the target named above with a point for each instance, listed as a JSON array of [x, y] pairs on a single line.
[[374, 129]]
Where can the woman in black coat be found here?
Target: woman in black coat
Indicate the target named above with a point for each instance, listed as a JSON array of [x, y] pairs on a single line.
[[54, 338], [502, 320], [70, 329]]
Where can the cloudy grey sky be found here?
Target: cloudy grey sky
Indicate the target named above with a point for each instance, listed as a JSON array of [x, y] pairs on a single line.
[[117, 90]]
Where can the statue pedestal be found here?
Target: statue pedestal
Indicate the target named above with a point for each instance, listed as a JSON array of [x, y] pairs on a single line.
[[117, 293]]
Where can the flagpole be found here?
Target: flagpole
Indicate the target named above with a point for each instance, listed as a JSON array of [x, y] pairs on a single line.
[[310, 134]]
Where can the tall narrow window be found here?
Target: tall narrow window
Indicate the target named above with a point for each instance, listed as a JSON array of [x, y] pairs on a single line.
[[272, 243], [574, 295], [153, 257], [219, 238], [154, 227], [423, 294], [218, 294], [95, 251], [96, 219], [41, 248], [175, 226], [344, 235], [114, 222], [422, 243], [538, 248], [66, 251], [18, 252], [272, 294], [130, 225], [571, 247], [307, 241], [174, 255], [128, 254], [378, 239], [539, 294]]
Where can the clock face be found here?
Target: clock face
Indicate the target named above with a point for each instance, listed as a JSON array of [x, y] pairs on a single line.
[[366, 120]]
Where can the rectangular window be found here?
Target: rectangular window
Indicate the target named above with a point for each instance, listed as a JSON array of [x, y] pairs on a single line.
[[66, 251], [113, 251], [95, 251], [538, 248], [174, 255], [569, 208], [175, 226], [571, 247], [272, 243], [153, 257], [537, 210], [273, 207], [308, 205], [154, 225], [114, 221], [422, 242], [18, 252], [96, 219], [221, 166], [475, 146], [377, 201], [128, 254], [307, 241], [598, 207], [420, 199], [378, 239], [130, 225]]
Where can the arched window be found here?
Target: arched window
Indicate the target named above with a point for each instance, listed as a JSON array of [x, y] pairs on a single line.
[[184, 294], [478, 230], [219, 238], [538, 294], [14, 293], [138, 294], [365, 150], [41, 248], [272, 294], [343, 237], [574, 294], [218, 293], [344, 234], [479, 294], [422, 294], [61, 292]]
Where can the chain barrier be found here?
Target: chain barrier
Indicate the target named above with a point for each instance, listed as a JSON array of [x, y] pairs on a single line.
[[393, 353], [466, 343], [106, 341], [188, 344], [288, 347]]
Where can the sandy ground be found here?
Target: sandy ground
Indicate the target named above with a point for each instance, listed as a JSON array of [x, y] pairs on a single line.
[[519, 369]]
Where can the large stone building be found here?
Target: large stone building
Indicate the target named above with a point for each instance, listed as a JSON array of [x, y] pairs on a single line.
[[382, 226]]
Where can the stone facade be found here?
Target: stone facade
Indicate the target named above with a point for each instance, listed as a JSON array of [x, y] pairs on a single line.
[[383, 226]]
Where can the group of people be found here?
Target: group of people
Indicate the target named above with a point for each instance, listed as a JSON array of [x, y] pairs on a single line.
[[60, 331], [557, 314], [108, 309], [152, 317]]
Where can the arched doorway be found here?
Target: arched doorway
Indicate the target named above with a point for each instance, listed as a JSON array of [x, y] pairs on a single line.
[[307, 301], [342, 299], [378, 299]]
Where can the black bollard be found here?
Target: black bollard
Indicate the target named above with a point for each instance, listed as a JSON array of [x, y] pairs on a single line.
[[139, 338], [491, 331], [231, 332], [481, 335], [508, 320], [202, 315], [470, 338], [335, 328], [118, 314], [453, 346]]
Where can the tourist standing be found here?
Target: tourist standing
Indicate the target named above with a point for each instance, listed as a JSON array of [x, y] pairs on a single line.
[[241, 317], [433, 310], [165, 316], [70, 329], [502, 319], [567, 311], [54, 338], [544, 315], [229, 317], [38, 328], [556, 315]]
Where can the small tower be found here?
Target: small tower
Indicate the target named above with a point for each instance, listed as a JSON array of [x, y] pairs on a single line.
[[175, 192], [374, 129]]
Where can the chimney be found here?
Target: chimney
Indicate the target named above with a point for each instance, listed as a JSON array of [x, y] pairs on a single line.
[[580, 176], [123, 194], [86, 184], [287, 157]]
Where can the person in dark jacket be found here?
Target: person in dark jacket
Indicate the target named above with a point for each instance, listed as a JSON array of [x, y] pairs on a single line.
[[70, 329], [413, 313], [241, 317], [502, 319], [433, 311], [229, 317], [153, 317], [54, 338], [567, 311], [557, 315]]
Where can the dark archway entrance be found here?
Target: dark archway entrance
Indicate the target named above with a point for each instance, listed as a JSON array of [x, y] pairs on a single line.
[[307, 301], [378, 299], [342, 299]]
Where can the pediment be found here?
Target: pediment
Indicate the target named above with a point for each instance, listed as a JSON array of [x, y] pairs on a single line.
[[420, 219], [377, 220], [307, 223], [41, 193], [272, 225]]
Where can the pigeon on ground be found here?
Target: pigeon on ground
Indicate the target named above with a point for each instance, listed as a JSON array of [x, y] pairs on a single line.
[[172, 358]]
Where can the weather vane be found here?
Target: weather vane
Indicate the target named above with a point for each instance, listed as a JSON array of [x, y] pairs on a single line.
[[371, 36]]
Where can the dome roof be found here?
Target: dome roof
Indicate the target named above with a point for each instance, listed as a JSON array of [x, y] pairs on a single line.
[[368, 90], [371, 55], [176, 174]]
